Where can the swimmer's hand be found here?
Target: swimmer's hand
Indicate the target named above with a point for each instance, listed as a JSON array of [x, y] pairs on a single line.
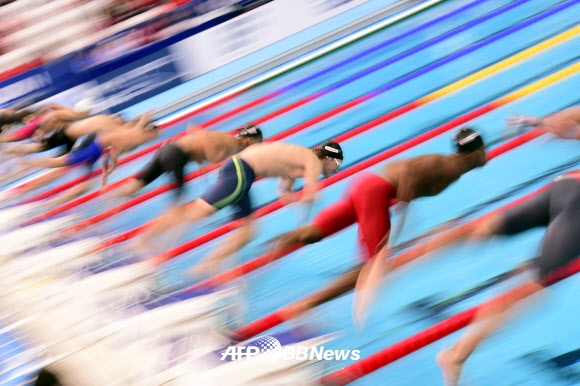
[[523, 120], [104, 180], [284, 189], [308, 197], [286, 195]]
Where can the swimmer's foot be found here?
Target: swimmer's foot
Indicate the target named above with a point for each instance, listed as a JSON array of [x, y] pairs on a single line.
[[450, 366]]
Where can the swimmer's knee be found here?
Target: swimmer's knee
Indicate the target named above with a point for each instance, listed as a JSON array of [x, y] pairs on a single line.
[[198, 209], [133, 186], [307, 234], [311, 234]]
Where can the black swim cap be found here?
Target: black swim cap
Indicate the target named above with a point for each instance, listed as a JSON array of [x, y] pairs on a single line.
[[250, 130], [467, 140], [331, 149]]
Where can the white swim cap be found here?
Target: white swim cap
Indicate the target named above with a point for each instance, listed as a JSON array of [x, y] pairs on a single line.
[[86, 104]]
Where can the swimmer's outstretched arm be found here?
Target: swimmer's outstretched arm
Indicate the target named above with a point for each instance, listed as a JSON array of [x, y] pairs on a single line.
[[312, 171], [71, 115], [572, 131], [525, 120], [50, 106], [565, 123], [54, 106]]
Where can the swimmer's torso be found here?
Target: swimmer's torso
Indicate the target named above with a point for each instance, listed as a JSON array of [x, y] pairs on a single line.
[[278, 159], [422, 176]]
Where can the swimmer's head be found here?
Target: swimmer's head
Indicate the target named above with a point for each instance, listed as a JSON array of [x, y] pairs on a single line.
[[250, 134], [85, 106], [331, 155], [469, 143]]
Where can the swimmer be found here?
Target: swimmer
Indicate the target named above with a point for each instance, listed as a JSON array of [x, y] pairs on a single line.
[[66, 136], [367, 202], [236, 176], [9, 117], [197, 146], [89, 150], [556, 209], [49, 118]]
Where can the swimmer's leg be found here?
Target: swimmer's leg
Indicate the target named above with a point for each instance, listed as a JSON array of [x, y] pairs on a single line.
[[338, 287], [130, 187], [210, 263], [175, 217], [42, 180], [488, 318], [307, 234]]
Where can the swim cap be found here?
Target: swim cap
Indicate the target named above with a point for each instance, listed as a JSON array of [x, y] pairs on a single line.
[[249, 130], [83, 105], [331, 149], [467, 140]]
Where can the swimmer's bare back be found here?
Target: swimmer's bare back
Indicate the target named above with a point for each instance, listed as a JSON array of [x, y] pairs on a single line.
[[208, 146], [423, 176], [124, 139], [59, 119], [96, 124], [278, 159]]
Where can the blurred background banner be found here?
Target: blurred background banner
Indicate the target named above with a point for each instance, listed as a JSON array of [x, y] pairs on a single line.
[[185, 40], [251, 32], [25, 88], [132, 83]]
